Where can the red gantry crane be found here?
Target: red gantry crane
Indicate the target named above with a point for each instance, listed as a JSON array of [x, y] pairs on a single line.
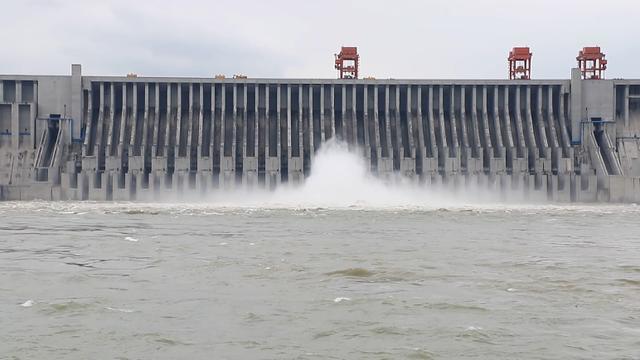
[[520, 63], [592, 63], [347, 62]]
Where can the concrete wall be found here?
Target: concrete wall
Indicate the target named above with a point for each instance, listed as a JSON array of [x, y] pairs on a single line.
[[144, 138]]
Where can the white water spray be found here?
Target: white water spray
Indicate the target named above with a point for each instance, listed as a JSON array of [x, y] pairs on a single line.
[[340, 179]]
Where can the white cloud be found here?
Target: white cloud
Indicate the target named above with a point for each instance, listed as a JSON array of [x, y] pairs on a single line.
[[278, 38]]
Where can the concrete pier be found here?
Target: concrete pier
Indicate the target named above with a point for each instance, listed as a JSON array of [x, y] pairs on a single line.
[[133, 138]]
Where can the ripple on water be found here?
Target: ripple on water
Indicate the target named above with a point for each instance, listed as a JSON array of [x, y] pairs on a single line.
[[352, 272], [71, 306], [378, 276]]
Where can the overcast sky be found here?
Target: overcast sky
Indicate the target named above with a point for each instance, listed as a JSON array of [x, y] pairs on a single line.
[[297, 38]]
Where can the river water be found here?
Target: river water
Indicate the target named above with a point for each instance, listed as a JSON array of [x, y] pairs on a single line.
[[350, 269]]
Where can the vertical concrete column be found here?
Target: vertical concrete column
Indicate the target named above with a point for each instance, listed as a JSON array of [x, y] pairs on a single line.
[[410, 121], [519, 125], [290, 164], [466, 162], [111, 144], [626, 107], [213, 125], [242, 121], [410, 166], [576, 105], [376, 124], [500, 182], [556, 153], [499, 145], [345, 134], [201, 134], [477, 144], [19, 98], [485, 126], [454, 153], [15, 116], [249, 163], [156, 123], [387, 124], [170, 119], [552, 121], [88, 161], [34, 115], [323, 126], [354, 119], [98, 185], [455, 143], [509, 142], [435, 150], [228, 175], [145, 126], [267, 139], [533, 146], [223, 135], [444, 158], [544, 142], [310, 120], [301, 116], [146, 129], [333, 111], [124, 115], [564, 134], [118, 177], [76, 100], [422, 150], [398, 124], [223, 131], [135, 159], [154, 128], [256, 123], [135, 120], [164, 160], [272, 165], [190, 126], [365, 124], [234, 129], [99, 145], [278, 132], [90, 125], [178, 140], [245, 129], [15, 120], [394, 123]]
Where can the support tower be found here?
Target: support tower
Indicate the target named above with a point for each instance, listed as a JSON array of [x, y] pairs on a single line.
[[347, 62], [520, 63], [592, 63]]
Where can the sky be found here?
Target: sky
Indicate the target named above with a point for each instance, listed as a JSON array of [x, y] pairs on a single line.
[[398, 39]]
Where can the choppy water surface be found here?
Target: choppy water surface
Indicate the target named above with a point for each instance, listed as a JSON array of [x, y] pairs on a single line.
[[168, 281], [344, 267]]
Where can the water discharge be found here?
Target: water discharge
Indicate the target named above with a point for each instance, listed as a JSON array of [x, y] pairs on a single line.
[[339, 178]]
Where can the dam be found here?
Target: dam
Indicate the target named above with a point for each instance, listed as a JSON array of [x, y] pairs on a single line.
[[78, 137]]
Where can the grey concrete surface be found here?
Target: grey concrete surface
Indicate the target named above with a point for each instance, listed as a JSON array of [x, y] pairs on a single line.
[[134, 138]]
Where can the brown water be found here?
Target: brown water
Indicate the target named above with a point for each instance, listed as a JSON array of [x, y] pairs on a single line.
[[205, 281]]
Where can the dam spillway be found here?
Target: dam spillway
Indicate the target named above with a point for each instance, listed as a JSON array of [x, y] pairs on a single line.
[[138, 138]]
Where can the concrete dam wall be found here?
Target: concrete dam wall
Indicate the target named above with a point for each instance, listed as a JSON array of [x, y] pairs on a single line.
[[134, 138]]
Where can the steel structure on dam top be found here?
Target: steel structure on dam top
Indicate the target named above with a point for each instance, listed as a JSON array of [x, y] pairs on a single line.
[[102, 138]]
